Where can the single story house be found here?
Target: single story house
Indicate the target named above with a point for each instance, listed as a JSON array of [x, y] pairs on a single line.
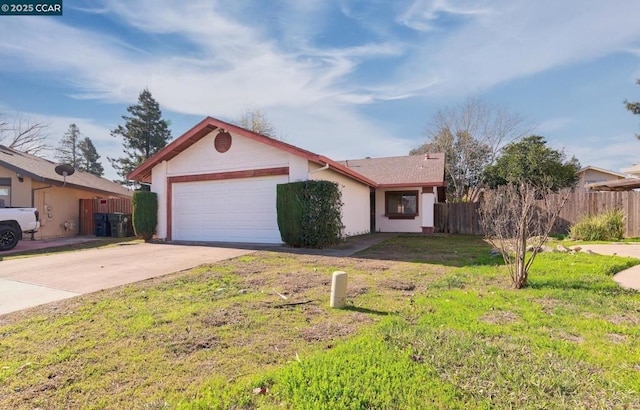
[[217, 182], [30, 181], [593, 175]]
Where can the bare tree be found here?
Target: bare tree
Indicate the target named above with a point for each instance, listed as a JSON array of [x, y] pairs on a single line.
[[477, 130], [513, 214], [256, 120], [23, 135]]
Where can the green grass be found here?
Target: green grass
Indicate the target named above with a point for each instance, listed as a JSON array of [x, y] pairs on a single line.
[[432, 322]]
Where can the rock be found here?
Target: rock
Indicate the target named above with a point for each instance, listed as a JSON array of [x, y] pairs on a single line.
[[563, 248], [545, 248]]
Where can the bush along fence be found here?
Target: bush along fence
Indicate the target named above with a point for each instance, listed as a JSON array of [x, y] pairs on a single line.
[[463, 218], [309, 213]]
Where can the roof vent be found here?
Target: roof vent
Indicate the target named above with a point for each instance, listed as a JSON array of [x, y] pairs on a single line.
[[222, 142]]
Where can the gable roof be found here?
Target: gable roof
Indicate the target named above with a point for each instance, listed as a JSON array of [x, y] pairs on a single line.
[[416, 170], [143, 172], [42, 170], [601, 170], [412, 170]]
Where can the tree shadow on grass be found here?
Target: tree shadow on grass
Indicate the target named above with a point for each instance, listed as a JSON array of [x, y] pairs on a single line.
[[366, 311]]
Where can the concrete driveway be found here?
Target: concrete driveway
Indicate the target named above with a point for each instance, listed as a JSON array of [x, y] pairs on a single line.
[[37, 280]]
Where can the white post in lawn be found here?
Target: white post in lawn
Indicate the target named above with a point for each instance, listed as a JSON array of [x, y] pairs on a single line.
[[428, 203], [338, 290]]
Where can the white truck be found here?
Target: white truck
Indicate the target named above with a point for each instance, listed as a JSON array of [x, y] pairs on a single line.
[[14, 222]]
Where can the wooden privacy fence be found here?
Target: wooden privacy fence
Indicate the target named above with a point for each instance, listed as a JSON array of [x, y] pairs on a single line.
[[89, 207], [463, 218]]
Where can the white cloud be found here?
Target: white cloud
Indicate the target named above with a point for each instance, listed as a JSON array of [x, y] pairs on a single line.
[[619, 151], [224, 60], [553, 124], [517, 39], [423, 15]]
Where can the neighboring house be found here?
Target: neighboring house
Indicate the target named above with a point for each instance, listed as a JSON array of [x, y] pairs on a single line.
[[633, 170], [217, 182], [593, 175], [30, 181]]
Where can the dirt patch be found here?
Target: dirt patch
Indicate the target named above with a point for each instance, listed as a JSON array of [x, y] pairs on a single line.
[[325, 331], [569, 337], [624, 319], [232, 315], [499, 317], [398, 284], [549, 305], [192, 345], [617, 338]]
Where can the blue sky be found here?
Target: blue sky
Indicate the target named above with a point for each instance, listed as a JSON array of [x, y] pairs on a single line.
[[342, 78]]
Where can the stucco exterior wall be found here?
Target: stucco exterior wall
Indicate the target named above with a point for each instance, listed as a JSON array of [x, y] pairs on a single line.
[[20, 191], [355, 198], [384, 224], [243, 154], [592, 176], [202, 158]]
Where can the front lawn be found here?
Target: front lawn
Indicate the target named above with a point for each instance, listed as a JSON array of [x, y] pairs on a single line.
[[432, 322]]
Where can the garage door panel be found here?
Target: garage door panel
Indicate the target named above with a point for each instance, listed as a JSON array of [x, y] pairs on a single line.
[[242, 210]]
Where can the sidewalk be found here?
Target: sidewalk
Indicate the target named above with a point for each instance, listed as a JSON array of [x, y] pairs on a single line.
[[26, 244], [628, 278]]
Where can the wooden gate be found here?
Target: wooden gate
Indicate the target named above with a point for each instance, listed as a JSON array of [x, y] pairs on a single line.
[[89, 207]]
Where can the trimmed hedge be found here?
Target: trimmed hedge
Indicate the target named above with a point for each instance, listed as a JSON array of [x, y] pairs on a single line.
[[145, 214], [310, 213]]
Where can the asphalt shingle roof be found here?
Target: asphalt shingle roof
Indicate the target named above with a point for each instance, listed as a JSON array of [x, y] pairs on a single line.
[[426, 170], [42, 170]]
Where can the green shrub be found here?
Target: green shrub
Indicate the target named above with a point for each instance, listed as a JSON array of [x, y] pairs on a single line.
[[310, 213], [145, 214], [604, 227]]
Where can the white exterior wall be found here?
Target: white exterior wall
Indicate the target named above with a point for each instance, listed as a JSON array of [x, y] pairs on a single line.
[[202, 158], [159, 186], [427, 209], [355, 198], [245, 153], [384, 224]]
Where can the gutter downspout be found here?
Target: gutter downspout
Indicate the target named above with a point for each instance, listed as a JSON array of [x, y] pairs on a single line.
[[33, 192]]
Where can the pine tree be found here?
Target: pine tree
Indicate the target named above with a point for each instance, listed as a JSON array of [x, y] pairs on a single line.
[[144, 134], [68, 151], [89, 158]]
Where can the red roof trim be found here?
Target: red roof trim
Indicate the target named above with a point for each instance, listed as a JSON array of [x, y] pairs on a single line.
[[410, 185], [143, 172]]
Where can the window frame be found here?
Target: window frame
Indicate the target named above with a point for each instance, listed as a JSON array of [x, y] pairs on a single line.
[[401, 215]]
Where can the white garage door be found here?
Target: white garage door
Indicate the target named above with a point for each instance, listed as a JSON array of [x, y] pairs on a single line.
[[240, 210]]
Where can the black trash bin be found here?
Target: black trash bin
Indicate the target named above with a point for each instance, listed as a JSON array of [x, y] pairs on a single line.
[[120, 224], [102, 224]]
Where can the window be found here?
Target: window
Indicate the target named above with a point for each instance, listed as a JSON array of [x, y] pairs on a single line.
[[401, 204], [5, 191]]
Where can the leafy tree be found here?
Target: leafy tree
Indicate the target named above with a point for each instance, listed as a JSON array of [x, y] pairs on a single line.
[[465, 161], [256, 121], [23, 135], [471, 135], [68, 149], [144, 134], [634, 107], [531, 161], [89, 158]]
